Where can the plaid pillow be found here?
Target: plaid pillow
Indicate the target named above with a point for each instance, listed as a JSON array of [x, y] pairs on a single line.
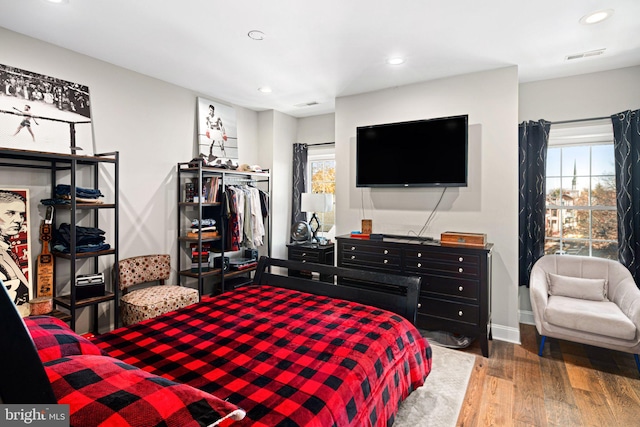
[[55, 339], [100, 389]]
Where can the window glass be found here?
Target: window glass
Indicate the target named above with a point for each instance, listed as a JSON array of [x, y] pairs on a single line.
[[322, 169], [580, 192]]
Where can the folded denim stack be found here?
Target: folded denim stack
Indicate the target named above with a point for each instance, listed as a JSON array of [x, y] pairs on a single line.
[[83, 195], [88, 239]]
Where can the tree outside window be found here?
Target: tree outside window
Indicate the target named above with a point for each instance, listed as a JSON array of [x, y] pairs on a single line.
[[323, 180]]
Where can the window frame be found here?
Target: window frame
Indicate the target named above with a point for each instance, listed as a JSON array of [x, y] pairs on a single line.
[[321, 155], [577, 135]]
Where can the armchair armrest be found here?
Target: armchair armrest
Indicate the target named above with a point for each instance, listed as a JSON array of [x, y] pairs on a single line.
[[627, 297]]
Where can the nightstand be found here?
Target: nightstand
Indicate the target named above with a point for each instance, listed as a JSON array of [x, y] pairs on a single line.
[[312, 252]]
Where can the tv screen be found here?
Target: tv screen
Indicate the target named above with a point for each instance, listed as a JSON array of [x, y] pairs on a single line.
[[421, 153]]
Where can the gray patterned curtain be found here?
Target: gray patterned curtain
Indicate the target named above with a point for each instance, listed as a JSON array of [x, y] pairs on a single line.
[[626, 141], [299, 181], [532, 143]]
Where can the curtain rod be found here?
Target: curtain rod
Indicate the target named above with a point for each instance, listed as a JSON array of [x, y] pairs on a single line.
[[580, 120], [321, 143]]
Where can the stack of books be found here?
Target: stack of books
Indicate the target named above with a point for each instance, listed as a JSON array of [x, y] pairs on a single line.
[[200, 259]]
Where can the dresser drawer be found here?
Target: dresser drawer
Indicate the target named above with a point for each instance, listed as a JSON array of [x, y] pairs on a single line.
[[369, 249], [446, 257], [371, 261], [449, 286], [459, 312], [429, 266], [304, 255]]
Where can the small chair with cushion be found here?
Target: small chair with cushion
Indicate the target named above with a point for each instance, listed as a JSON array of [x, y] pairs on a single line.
[[151, 301], [589, 300]]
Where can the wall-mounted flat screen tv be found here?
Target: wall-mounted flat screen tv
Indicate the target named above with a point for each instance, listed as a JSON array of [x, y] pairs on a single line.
[[420, 153]]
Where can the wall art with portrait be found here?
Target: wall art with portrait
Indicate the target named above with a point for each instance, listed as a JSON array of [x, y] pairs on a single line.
[[44, 113], [217, 133], [15, 248]]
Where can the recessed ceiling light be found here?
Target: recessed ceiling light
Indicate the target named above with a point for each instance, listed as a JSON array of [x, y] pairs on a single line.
[[256, 35], [265, 89], [595, 17], [395, 61]]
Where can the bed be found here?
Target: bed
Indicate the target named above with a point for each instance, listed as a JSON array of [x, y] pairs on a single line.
[[283, 351]]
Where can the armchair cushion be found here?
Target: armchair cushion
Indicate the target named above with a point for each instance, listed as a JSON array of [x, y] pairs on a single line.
[[577, 287], [596, 317]]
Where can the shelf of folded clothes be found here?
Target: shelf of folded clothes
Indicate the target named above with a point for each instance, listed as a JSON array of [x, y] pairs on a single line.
[[90, 241], [85, 197]]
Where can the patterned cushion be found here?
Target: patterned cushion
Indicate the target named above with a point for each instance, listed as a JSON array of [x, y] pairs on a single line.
[[142, 269], [153, 301], [102, 390], [54, 339]]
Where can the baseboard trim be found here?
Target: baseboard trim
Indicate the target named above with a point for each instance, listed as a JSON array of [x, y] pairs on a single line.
[[526, 317], [505, 333]]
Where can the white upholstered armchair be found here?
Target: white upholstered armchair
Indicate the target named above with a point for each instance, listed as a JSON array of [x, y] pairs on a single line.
[[587, 300]]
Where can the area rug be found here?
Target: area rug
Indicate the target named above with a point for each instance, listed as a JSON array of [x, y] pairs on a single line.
[[437, 403]]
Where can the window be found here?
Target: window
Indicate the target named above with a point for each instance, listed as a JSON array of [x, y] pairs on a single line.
[[322, 179], [581, 191]]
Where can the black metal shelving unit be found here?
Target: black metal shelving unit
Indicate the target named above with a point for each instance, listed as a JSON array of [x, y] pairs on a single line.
[[198, 173], [57, 163]]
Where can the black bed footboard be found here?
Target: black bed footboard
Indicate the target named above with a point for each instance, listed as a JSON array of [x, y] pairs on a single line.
[[392, 292]]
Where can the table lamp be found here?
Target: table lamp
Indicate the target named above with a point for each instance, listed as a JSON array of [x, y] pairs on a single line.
[[314, 203]]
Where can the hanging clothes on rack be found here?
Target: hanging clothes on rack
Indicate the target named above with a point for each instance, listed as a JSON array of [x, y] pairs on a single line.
[[246, 212]]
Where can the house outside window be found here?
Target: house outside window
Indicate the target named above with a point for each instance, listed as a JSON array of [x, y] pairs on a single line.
[[322, 179], [581, 191]]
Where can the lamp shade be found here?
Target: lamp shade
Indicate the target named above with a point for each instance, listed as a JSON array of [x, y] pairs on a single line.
[[316, 202]]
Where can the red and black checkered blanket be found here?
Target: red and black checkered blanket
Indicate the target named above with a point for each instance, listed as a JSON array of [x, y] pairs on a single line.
[[288, 358]]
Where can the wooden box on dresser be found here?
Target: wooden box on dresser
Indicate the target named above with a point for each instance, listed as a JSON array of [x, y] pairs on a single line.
[[455, 295]]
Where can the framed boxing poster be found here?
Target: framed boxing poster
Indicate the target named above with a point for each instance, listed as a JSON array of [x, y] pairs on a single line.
[[15, 248], [44, 113], [217, 133]]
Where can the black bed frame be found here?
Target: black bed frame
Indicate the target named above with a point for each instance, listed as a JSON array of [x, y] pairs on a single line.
[[24, 381], [391, 292]]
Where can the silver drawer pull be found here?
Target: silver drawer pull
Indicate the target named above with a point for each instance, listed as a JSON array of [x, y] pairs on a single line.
[[461, 259], [419, 265], [419, 305], [460, 270], [460, 288], [304, 254], [386, 261], [386, 252], [419, 254], [304, 260], [353, 257], [353, 248], [460, 313]]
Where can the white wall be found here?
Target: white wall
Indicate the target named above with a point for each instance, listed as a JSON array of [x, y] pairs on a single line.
[[150, 122], [580, 97], [488, 205], [316, 129]]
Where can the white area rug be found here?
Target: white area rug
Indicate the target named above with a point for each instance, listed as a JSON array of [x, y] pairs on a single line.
[[437, 403]]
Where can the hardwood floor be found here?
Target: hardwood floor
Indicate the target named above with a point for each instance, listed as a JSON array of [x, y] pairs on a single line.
[[570, 385]]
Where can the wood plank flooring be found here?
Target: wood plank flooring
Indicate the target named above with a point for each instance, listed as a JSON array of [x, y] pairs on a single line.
[[570, 385]]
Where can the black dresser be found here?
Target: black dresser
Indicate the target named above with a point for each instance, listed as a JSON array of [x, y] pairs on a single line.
[[455, 295], [312, 252]]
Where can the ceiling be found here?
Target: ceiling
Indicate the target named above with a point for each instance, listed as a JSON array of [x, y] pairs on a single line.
[[313, 52]]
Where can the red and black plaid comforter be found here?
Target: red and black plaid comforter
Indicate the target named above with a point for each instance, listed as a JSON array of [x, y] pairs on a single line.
[[287, 358]]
